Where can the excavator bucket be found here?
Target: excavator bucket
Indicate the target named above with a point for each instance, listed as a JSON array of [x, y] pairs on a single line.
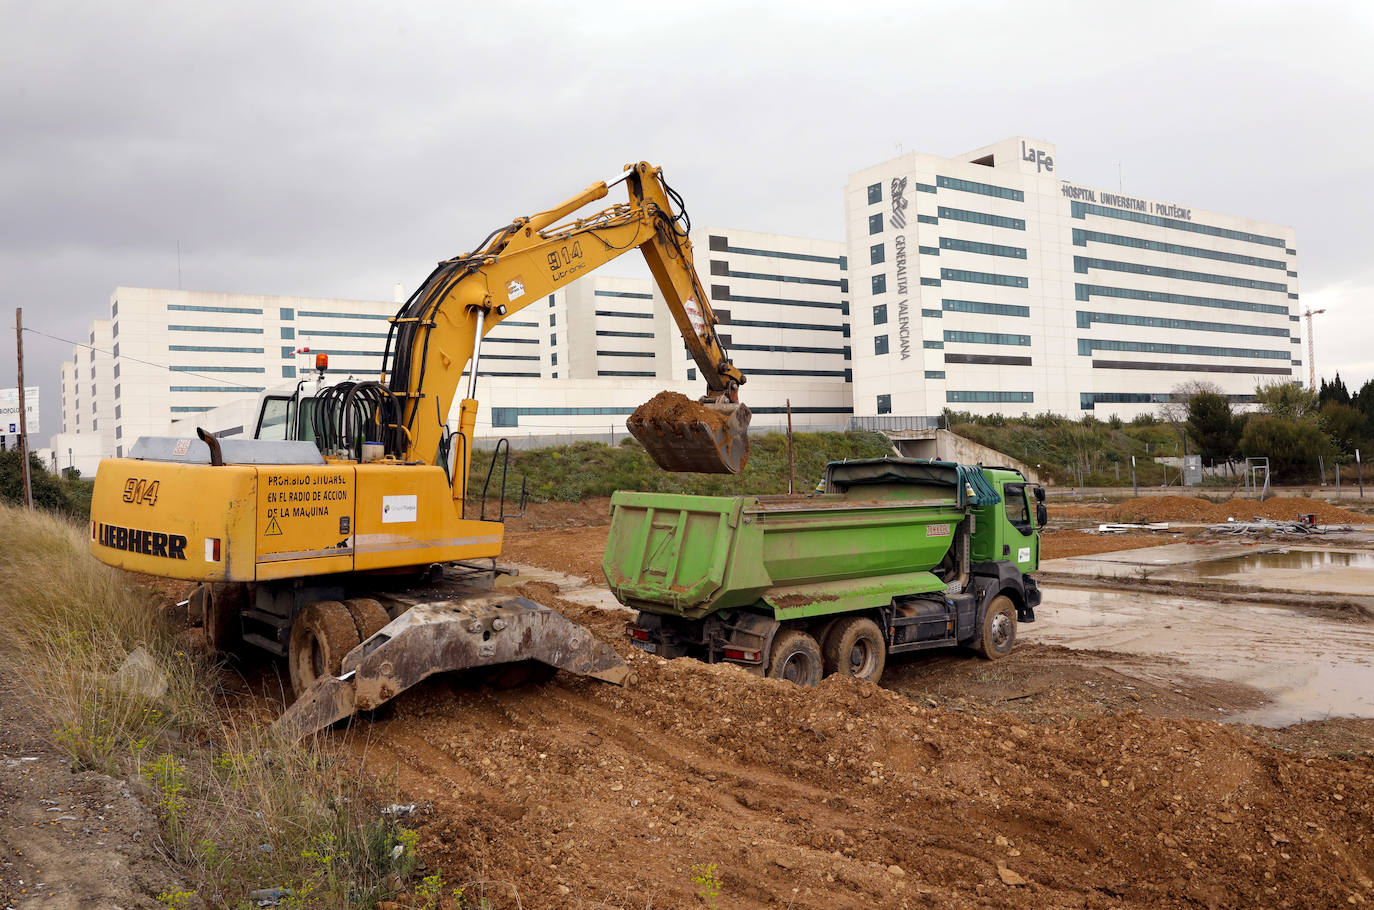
[[696, 436], [443, 636]]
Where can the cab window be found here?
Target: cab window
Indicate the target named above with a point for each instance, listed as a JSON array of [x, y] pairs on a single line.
[[274, 418], [1018, 507]]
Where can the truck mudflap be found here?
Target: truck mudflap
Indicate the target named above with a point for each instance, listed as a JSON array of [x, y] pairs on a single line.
[[444, 636]]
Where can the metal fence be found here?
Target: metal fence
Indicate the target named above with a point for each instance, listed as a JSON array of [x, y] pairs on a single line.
[[894, 422]]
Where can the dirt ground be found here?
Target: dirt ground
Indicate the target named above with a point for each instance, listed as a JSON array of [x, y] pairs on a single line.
[[1195, 509], [1044, 780], [70, 840]]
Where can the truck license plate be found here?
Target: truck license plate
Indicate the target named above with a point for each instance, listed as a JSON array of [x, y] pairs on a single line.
[[645, 646]]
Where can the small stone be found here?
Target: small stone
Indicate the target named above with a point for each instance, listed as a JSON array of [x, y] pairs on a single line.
[[1009, 877], [1001, 841], [896, 870], [564, 889]]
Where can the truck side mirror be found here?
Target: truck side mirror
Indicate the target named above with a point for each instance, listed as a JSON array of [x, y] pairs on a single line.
[[1039, 493], [1042, 515]]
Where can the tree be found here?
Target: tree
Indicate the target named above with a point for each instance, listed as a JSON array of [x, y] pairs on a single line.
[[1286, 400], [1335, 391], [1291, 446], [47, 490], [1364, 400], [1345, 425], [1212, 426]]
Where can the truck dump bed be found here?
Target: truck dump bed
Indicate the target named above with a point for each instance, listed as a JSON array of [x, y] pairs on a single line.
[[877, 536]]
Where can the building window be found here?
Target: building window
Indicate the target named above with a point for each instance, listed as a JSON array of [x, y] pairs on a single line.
[[927, 219], [880, 314], [935, 374], [553, 339], [880, 344], [880, 284], [932, 345], [288, 332], [288, 314], [933, 314], [986, 189], [1015, 224], [288, 372], [692, 373], [876, 254], [884, 404], [985, 397], [718, 243], [990, 309], [987, 249], [931, 282], [986, 338], [875, 223], [553, 359], [875, 193], [553, 319], [1010, 281], [1083, 238], [550, 301], [1081, 265], [287, 352], [928, 250]]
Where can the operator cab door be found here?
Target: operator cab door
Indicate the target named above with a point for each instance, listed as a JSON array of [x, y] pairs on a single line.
[[1022, 547]]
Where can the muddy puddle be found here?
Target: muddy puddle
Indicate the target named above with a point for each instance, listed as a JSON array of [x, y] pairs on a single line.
[[1312, 667], [1290, 560]]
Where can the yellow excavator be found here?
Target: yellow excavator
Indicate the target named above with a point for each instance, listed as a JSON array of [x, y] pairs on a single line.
[[340, 535]]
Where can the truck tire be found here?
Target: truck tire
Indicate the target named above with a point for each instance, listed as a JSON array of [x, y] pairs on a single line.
[[855, 647], [368, 616], [320, 637], [998, 631], [795, 657], [221, 605]]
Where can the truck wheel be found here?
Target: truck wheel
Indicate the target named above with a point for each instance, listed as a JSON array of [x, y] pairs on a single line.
[[855, 648], [221, 604], [368, 616], [998, 632], [796, 658], [320, 637]]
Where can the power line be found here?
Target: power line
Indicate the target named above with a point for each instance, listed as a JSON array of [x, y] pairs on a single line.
[[160, 366]]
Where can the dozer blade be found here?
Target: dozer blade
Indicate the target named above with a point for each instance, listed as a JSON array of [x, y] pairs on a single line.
[[444, 636], [703, 438]]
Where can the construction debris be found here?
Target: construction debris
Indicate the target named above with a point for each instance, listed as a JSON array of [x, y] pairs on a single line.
[[1270, 526], [1118, 528]]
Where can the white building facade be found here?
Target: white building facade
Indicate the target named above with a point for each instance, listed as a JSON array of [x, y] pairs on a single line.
[[985, 283], [575, 363]]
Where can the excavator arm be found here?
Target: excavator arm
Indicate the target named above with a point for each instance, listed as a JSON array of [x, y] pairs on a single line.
[[438, 333]]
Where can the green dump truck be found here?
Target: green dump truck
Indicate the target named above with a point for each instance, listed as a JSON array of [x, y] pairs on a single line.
[[898, 554]]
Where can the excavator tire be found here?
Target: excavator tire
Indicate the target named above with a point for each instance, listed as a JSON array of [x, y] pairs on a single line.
[[221, 604], [320, 637], [368, 616]]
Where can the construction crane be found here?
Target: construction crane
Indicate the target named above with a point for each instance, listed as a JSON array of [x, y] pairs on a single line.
[[344, 541], [1311, 351]]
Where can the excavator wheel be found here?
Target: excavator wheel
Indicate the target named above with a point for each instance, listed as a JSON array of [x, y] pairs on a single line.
[[368, 616], [320, 637]]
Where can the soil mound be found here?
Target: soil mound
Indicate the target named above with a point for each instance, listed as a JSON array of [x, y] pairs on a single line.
[[674, 407]]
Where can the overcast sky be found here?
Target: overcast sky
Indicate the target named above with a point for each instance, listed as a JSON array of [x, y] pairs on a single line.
[[335, 149]]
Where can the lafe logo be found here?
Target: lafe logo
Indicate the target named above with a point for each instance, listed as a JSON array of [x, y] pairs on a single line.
[[1037, 157]]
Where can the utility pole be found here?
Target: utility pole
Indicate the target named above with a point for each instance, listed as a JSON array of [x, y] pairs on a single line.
[[23, 417], [1311, 352], [791, 459]]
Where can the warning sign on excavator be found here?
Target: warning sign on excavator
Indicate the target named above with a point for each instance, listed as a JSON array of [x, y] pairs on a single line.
[[273, 529]]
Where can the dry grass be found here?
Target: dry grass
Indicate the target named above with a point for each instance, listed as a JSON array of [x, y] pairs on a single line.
[[238, 809]]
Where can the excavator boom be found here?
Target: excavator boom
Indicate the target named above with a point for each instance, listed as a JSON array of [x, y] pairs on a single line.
[[468, 296]]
